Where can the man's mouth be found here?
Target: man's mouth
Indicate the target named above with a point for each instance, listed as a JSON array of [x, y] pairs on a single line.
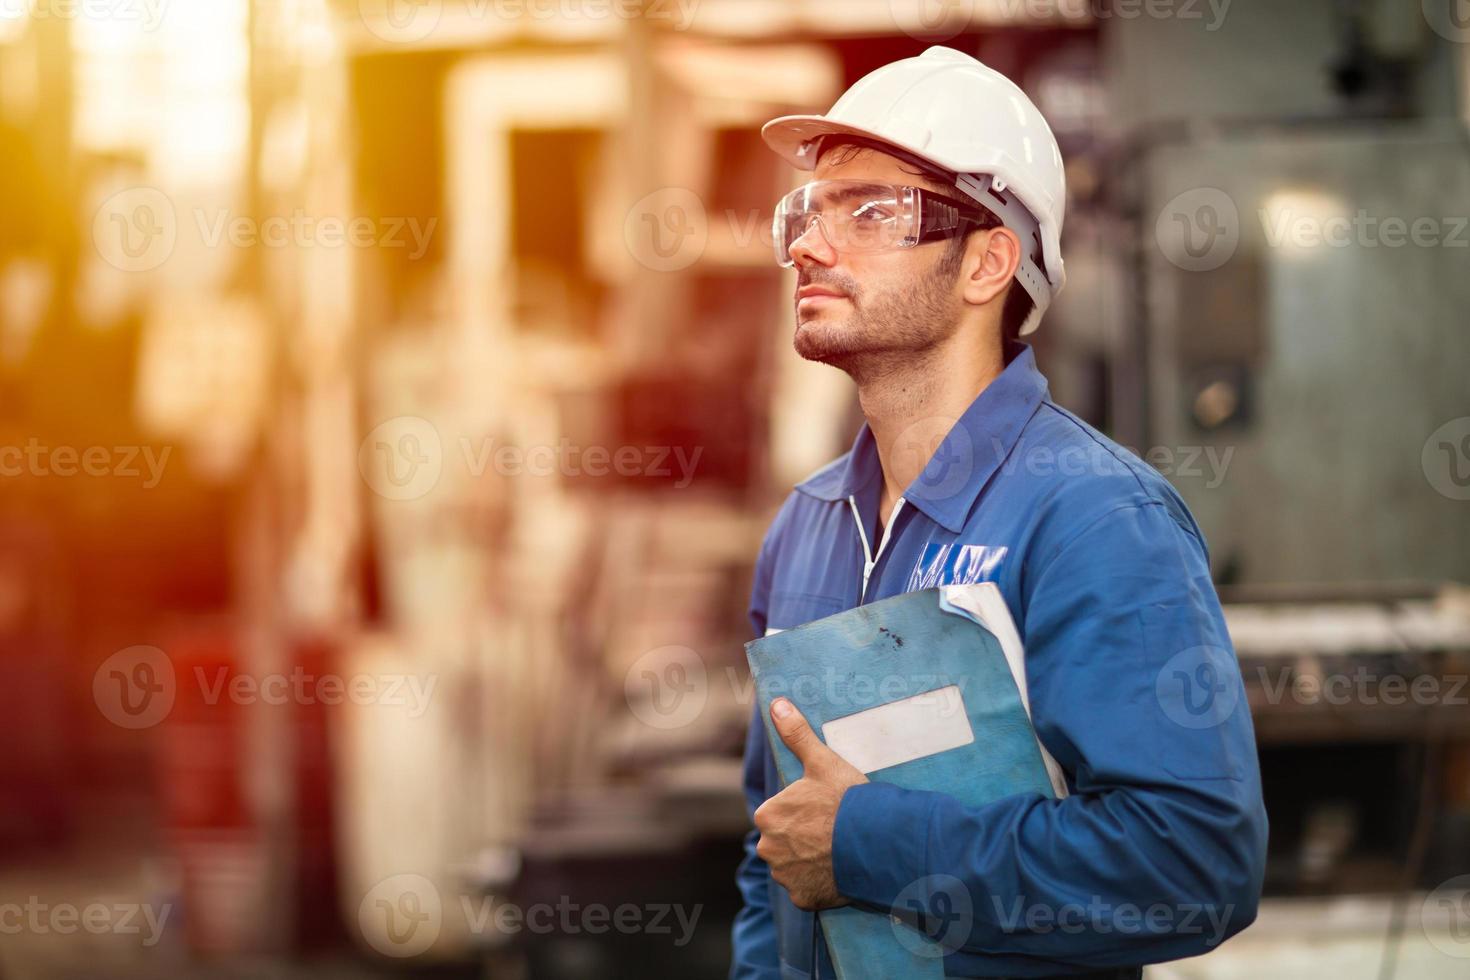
[[812, 298]]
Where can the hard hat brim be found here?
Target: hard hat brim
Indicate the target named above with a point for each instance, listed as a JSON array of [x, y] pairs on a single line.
[[789, 136]]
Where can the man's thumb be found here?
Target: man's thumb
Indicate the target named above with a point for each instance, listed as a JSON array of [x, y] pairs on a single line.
[[796, 733]]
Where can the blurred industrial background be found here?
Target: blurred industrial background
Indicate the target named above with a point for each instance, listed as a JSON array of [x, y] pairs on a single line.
[[394, 393]]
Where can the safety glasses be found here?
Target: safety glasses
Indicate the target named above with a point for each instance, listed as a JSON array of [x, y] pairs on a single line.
[[865, 216]]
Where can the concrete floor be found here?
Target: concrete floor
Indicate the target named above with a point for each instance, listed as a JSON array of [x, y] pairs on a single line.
[[1320, 939], [1330, 939]]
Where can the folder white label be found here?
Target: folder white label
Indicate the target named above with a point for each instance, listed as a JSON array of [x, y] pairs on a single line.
[[901, 731]]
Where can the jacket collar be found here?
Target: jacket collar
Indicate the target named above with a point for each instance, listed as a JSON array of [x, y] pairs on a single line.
[[968, 456]]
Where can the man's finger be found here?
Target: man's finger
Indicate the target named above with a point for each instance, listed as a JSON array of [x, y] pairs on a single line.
[[797, 734]]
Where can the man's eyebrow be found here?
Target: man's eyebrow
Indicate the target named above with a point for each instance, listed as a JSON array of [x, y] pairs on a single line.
[[864, 187], [930, 183]]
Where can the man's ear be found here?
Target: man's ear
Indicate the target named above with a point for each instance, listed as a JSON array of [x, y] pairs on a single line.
[[991, 260]]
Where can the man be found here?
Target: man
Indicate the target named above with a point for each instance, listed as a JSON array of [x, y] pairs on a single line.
[[927, 243]]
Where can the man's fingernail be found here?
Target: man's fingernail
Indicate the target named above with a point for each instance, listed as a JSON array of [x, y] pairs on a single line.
[[781, 707]]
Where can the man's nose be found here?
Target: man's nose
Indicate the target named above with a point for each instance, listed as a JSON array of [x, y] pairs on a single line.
[[813, 246]]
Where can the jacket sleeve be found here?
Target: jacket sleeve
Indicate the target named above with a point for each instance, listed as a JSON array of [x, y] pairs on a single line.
[[1159, 851], [753, 937]]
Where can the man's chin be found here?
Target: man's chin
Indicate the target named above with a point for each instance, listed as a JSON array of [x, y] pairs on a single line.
[[818, 339]]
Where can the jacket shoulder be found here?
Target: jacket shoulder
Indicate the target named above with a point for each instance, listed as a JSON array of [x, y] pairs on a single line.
[[1088, 474]]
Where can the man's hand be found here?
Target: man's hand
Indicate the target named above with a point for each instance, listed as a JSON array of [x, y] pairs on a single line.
[[796, 824]]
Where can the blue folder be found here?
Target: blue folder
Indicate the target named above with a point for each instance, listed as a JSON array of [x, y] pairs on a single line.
[[925, 690]]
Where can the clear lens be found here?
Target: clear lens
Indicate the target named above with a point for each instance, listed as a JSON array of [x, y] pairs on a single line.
[[852, 215]]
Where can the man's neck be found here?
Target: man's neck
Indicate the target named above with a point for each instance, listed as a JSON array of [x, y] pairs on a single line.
[[912, 405]]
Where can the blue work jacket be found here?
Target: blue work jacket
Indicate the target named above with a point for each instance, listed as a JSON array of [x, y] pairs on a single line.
[[1158, 852]]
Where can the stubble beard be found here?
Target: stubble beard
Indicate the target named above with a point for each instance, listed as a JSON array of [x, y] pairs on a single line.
[[880, 334]]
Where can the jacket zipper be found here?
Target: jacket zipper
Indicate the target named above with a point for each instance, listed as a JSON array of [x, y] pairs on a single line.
[[870, 560]]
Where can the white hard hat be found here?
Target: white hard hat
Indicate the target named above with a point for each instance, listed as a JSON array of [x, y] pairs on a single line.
[[950, 110]]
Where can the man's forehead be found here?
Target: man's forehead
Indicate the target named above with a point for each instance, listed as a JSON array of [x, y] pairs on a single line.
[[850, 162]]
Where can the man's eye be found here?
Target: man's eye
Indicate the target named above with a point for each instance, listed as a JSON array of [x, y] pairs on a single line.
[[872, 212]]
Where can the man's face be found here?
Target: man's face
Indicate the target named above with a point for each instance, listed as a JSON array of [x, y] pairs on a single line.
[[860, 310]]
